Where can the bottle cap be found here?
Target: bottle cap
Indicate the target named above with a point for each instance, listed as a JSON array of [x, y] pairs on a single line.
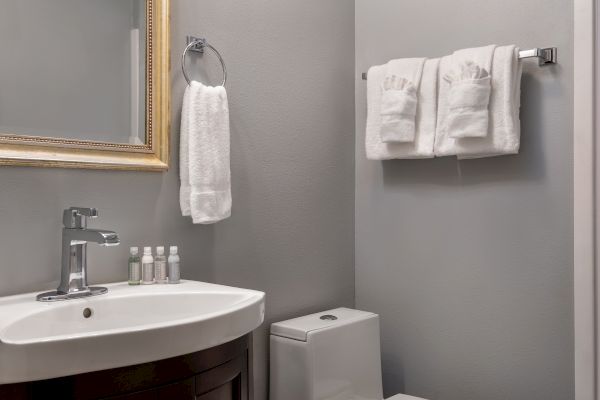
[[133, 250], [147, 250], [160, 250], [173, 250]]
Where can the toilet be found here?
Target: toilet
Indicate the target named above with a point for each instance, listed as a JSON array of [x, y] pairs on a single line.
[[331, 355]]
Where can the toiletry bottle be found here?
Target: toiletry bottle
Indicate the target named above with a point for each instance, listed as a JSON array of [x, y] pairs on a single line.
[[135, 268], [147, 267], [174, 271], [160, 265]]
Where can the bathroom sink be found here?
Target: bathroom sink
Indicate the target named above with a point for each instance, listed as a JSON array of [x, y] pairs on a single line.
[[128, 325]]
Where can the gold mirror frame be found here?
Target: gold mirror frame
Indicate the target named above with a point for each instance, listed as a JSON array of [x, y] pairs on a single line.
[[153, 156]]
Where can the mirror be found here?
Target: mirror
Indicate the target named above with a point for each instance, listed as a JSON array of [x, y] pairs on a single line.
[[84, 83]]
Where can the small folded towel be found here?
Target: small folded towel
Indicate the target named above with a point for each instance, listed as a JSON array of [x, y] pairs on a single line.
[[399, 100], [205, 192], [422, 146], [398, 110], [503, 135], [469, 93]]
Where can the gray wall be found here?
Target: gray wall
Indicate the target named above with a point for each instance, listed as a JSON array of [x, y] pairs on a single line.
[[292, 117], [470, 263]]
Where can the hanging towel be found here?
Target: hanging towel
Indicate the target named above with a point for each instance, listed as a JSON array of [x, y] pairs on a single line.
[[422, 147], [205, 192], [469, 92], [399, 99], [504, 126]]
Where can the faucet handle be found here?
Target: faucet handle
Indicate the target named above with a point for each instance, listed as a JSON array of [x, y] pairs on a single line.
[[75, 217]]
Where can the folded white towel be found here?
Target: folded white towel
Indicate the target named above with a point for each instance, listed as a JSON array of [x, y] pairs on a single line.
[[398, 110], [469, 93], [504, 126], [422, 146], [205, 191], [399, 99]]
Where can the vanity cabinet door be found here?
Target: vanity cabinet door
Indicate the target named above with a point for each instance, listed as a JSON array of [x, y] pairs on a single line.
[[225, 392], [178, 391], [226, 382], [145, 395]]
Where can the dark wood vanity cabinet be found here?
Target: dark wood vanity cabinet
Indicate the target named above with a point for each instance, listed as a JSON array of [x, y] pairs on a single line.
[[219, 373]]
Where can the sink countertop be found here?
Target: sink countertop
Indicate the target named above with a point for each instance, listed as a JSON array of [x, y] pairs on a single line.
[[129, 325]]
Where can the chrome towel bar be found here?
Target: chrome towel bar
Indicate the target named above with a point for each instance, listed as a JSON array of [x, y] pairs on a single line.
[[547, 55]]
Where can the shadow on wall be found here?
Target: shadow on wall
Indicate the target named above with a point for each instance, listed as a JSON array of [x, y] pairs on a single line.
[[393, 372], [528, 165]]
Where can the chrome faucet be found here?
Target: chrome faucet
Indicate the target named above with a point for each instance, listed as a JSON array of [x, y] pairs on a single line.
[[75, 236]]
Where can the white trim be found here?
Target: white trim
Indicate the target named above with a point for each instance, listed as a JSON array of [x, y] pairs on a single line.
[[584, 239]]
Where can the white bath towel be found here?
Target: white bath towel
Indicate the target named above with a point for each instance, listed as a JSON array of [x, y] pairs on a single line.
[[469, 92], [425, 126], [504, 126], [399, 100], [205, 192]]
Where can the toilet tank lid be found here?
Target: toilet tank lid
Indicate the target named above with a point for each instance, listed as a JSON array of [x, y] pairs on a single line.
[[298, 328]]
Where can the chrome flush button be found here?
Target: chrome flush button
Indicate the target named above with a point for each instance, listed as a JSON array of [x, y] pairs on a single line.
[[328, 317]]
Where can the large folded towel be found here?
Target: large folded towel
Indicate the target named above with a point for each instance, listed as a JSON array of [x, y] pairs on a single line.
[[503, 135], [205, 192], [469, 92], [422, 146], [399, 99]]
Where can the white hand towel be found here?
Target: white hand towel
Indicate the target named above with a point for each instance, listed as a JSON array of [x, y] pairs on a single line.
[[504, 126], [422, 146], [185, 190], [399, 99], [469, 92], [205, 192]]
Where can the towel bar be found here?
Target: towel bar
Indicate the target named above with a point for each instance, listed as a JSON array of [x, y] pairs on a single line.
[[547, 55]]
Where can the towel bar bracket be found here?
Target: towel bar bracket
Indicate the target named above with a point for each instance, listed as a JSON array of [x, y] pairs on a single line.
[[198, 47], [547, 55]]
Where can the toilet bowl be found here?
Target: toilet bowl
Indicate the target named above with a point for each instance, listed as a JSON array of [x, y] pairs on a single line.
[[331, 355]]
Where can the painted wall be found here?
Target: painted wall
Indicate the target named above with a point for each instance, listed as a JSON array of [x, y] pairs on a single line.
[[470, 263], [292, 118]]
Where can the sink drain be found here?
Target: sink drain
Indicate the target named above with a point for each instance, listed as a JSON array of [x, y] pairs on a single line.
[[87, 312]]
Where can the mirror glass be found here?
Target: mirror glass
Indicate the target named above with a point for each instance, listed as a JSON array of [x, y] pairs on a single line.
[[73, 69]]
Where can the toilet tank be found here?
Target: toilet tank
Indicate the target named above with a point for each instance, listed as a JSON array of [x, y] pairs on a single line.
[[331, 355]]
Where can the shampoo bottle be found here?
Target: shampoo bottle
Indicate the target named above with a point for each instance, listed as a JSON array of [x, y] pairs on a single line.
[[135, 268], [160, 265], [174, 271], [147, 267]]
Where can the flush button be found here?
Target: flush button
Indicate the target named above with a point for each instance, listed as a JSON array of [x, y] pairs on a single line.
[[328, 317]]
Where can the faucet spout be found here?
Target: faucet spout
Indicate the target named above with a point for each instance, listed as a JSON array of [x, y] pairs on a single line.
[[99, 236]]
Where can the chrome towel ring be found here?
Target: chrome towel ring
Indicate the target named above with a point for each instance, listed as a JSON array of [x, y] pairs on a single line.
[[198, 45]]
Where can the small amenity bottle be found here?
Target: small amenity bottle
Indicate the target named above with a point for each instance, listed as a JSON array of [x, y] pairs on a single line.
[[135, 268], [174, 271], [147, 267], [160, 265]]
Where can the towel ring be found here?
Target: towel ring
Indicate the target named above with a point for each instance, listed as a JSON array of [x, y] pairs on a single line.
[[202, 43]]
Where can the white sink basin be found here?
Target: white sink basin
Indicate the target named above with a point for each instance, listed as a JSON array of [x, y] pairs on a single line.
[[128, 325]]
